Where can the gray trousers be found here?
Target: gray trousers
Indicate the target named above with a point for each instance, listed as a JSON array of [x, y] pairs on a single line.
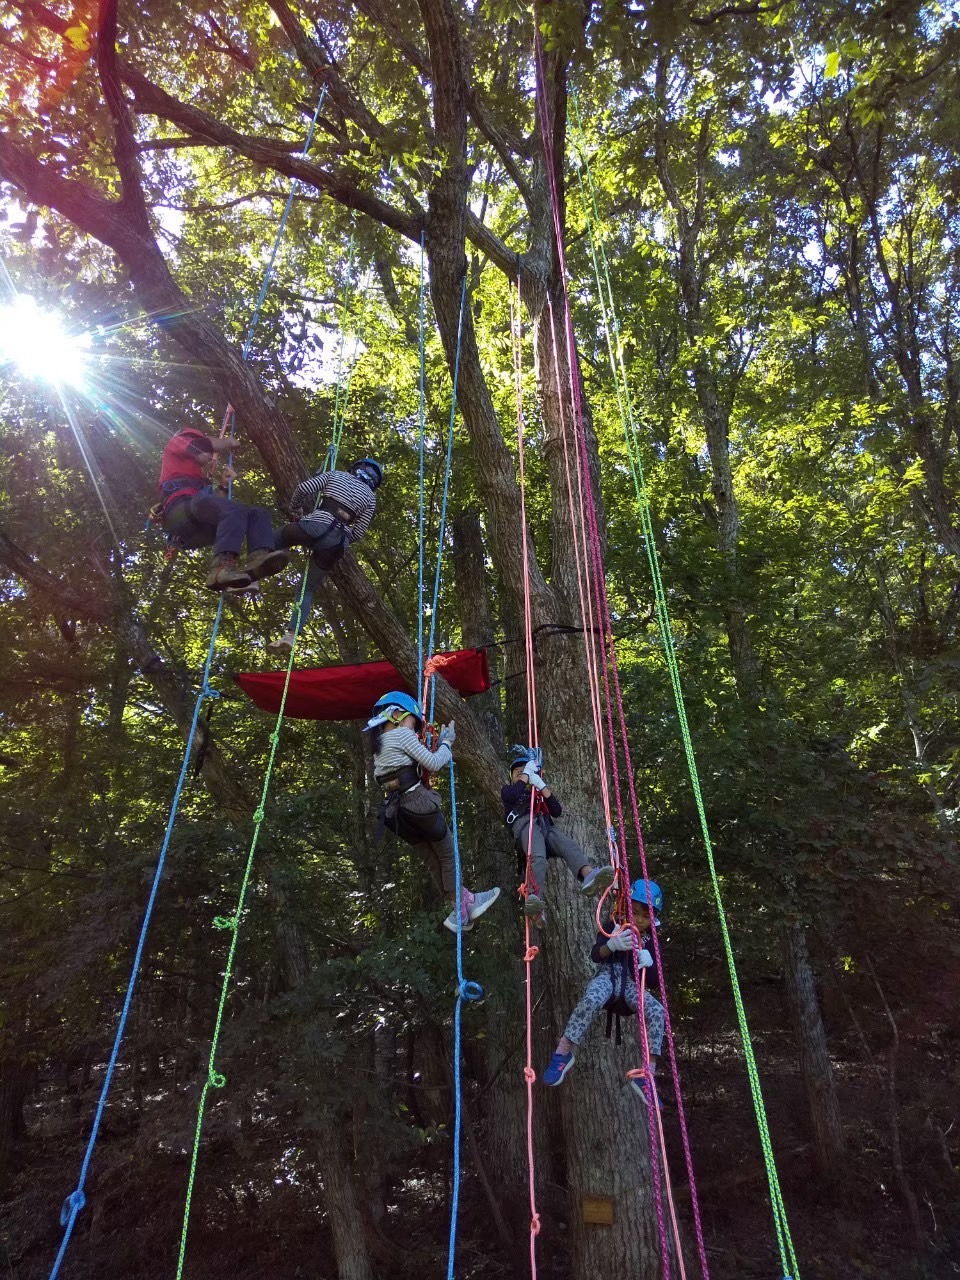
[[438, 854], [552, 845], [598, 992]]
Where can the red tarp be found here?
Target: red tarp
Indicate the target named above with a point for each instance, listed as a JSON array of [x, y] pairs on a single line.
[[348, 693]]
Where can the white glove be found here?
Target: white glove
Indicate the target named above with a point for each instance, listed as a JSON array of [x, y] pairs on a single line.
[[534, 778], [644, 959], [622, 941], [448, 734]]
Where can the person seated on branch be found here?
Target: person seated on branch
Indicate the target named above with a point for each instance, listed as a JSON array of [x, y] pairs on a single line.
[[411, 810], [339, 507], [614, 989], [528, 799], [198, 514]]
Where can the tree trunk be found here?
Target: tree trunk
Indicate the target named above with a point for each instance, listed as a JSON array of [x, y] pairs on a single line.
[[815, 1065], [14, 1087], [340, 1199]]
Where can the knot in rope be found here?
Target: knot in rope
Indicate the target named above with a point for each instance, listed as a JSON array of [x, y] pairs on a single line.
[[258, 815], [73, 1204], [206, 691], [215, 1080], [529, 1075], [531, 955], [535, 1224], [470, 990], [641, 1073], [225, 922]]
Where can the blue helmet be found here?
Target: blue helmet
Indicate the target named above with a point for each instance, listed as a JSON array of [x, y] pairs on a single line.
[[525, 755], [393, 702], [638, 892], [373, 470]]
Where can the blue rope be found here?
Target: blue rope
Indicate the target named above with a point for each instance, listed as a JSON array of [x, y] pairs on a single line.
[[423, 415], [294, 187], [76, 1201], [465, 990], [446, 489]]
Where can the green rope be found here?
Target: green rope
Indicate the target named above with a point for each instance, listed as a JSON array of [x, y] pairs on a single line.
[[611, 326], [214, 1079]]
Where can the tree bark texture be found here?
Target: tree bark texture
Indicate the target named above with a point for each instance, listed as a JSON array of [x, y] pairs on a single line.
[[815, 1065]]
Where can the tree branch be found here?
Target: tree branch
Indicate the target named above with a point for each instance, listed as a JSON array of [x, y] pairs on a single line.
[[150, 99]]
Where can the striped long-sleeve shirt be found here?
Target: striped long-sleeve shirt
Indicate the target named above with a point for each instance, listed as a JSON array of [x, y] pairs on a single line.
[[355, 497], [401, 747]]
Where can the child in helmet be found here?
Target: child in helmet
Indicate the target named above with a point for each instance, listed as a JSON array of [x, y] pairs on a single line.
[[614, 986], [343, 505], [546, 841], [410, 809], [197, 514]]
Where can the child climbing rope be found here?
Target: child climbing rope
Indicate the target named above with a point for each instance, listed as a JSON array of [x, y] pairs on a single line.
[[344, 505], [199, 515], [410, 809], [546, 841], [614, 989]]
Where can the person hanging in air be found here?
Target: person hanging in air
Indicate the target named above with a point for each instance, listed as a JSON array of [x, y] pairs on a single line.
[[411, 810], [528, 796], [613, 988], [198, 513], [339, 507]]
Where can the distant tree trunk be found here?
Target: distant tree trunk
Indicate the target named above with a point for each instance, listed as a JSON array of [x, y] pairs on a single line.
[[340, 1198], [815, 1065], [14, 1087]]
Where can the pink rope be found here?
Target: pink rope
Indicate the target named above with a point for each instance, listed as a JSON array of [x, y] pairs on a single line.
[[609, 661], [530, 953], [616, 857]]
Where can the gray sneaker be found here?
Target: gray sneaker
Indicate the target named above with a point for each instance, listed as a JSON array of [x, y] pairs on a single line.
[[482, 902], [596, 881], [533, 906]]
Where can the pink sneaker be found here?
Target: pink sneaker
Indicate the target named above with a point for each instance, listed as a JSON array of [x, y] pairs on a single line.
[[466, 902]]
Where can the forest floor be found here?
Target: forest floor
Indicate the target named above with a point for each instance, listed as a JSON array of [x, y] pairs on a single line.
[[852, 1228]]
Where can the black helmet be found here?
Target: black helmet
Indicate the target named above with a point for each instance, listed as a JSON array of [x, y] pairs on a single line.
[[370, 471]]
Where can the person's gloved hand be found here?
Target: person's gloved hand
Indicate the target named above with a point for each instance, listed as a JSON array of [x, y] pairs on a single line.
[[448, 734], [644, 959], [530, 775], [622, 941]]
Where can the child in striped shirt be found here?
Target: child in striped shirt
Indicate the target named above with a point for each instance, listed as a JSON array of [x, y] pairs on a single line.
[[339, 507]]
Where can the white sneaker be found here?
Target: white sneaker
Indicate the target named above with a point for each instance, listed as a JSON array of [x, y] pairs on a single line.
[[482, 902], [284, 646]]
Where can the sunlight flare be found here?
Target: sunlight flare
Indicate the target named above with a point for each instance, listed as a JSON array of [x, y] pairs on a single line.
[[38, 344]]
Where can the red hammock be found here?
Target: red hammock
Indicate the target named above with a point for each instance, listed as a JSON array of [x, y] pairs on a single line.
[[348, 693]]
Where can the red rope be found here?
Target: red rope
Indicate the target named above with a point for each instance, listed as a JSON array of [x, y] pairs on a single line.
[[529, 885], [608, 662]]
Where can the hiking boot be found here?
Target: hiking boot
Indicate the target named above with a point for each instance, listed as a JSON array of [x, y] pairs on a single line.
[[224, 574], [263, 563], [560, 1064], [596, 880], [284, 646]]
